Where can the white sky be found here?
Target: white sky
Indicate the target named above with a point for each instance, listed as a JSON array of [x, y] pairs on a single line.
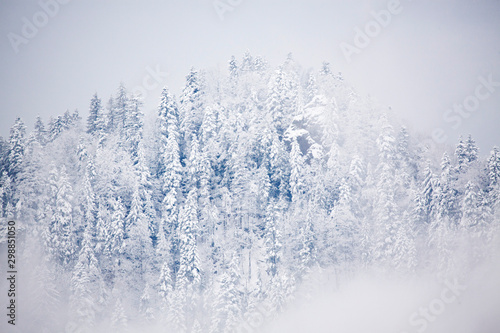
[[428, 58]]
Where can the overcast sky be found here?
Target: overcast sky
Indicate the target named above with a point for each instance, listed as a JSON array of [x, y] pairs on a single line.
[[429, 57]]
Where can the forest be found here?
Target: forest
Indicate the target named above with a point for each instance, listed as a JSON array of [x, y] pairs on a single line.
[[251, 191]]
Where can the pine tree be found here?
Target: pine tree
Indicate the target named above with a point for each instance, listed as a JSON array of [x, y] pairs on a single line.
[[494, 167], [191, 105], [444, 197], [117, 228], [137, 245], [119, 320], [133, 127], [170, 168], [189, 263], [470, 212], [259, 64], [281, 101], [386, 142], [427, 192], [89, 203], [357, 173], [405, 252], [233, 68], [247, 62], [102, 227], [308, 249], [146, 188], [111, 116], [165, 284], [466, 153], [471, 149], [228, 310], [87, 287], [17, 145], [39, 132], [209, 127], [345, 235], [56, 127], [312, 88], [145, 306], [272, 239], [61, 241], [95, 115], [119, 110], [325, 68], [170, 175], [297, 173]]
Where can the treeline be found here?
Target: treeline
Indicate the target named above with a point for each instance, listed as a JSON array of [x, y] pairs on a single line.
[[232, 199]]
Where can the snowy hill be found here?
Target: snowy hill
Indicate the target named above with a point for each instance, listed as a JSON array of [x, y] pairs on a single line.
[[248, 192]]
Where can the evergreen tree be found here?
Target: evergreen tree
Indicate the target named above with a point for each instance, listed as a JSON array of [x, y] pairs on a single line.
[[39, 132], [345, 235], [189, 266], [470, 211], [119, 320], [427, 192], [228, 313], [247, 62], [133, 128], [56, 127], [87, 287], [494, 167], [95, 115], [145, 307], [281, 100], [297, 173], [89, 203], [17, 146], [170, 168], [165, 290], [191, 105], [137, 245], [357, 173], [115, 267], [312, 88], [233, 68], [119, 111], [272, 239], [308, 249], [61, 242], [466, 153]]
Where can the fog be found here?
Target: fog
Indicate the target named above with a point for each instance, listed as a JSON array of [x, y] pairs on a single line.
[[427, 59], [372, 299], [381, 302]]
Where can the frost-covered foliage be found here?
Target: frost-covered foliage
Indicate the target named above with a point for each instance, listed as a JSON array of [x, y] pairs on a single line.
[[233, 199]]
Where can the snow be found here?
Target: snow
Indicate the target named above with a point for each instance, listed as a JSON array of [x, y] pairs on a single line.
[[233, 202]]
